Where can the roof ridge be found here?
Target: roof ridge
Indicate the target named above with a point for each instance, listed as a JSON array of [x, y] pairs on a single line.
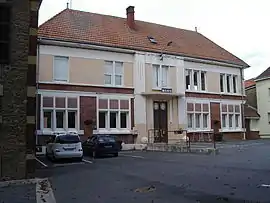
[[142, 21], [71, 24]]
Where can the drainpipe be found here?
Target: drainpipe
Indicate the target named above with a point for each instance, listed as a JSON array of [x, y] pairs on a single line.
[[243, 110], [37, 104]]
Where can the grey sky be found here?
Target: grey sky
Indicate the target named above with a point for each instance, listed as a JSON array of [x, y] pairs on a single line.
[[239, 26]]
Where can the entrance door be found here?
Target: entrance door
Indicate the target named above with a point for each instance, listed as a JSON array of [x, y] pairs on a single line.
[[160, 121]]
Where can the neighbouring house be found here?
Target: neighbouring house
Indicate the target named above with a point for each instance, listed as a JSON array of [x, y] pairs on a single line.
[[135, 79], [258, 96], [18, 44]]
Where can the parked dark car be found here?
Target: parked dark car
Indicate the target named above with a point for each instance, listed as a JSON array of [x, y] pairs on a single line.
[[98, 145]]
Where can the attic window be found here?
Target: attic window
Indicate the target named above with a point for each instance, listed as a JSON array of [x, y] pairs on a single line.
[[152, 39]]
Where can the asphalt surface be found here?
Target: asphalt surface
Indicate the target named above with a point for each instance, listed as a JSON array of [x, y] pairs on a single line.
[[240, 173], [18, 194]]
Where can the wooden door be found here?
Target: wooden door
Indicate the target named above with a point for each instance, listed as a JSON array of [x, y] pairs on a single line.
[[160, 121]]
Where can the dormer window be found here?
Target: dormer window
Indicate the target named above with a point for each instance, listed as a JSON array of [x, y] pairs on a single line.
[[152, 40]]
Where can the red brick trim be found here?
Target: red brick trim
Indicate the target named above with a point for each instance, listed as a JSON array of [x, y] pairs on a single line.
[[233, 135], [86, 88], [213, 96]]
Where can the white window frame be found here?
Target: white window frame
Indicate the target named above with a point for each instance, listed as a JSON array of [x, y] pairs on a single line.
[[54, 109], [159, 84], [225, 81], [202, 112], [118, 121], [191, 72], [51, 111], [54, 68], [113, 74], [233, 113]]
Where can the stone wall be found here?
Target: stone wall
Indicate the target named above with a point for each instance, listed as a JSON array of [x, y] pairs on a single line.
[[18, 100]]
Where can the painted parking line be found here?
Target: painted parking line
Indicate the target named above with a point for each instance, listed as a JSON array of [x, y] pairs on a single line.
[[87, 161], [41, 162], [68, 164], [133, 156]]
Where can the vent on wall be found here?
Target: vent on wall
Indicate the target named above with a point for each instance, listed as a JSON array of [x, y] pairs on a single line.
[[152, 39]]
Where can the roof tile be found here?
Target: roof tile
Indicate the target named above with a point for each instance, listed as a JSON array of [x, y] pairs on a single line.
[[264, 74], [250, 112], [73, 25], [249, 83]]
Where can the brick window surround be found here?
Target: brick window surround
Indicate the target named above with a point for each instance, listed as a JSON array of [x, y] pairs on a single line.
[[198, 116], [59, 113], [114, 114]]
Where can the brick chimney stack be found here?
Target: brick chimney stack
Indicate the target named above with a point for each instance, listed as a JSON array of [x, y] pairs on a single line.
[[130, 17]]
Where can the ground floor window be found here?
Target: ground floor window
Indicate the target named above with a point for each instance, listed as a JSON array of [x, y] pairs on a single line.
[[113, 114], [230, 116], [59, 113], [198, 116]]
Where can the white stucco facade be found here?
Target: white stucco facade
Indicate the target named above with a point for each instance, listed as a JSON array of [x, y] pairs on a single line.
[[263, 102]]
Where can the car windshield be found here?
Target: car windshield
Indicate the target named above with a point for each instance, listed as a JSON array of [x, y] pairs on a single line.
[[68, 139], [106, 138]]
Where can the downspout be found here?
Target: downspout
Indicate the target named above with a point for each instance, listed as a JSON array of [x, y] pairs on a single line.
[[242, 106], [37, 96]]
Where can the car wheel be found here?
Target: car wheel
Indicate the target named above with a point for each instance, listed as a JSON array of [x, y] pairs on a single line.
[[115, 154], [80, 159]]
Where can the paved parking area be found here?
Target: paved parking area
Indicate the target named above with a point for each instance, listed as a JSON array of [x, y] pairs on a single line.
[[239, 173]]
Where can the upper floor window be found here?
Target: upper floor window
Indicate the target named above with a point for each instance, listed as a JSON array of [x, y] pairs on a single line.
[[195, 80], [161, 74], [113, 73], [4, 33], [60, 69], [228, 83]]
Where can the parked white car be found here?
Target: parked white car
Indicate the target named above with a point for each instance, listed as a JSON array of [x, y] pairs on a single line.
[[63, 146]]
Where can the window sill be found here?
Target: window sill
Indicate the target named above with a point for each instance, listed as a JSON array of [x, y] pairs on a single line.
[[112, 131], [111, 85], [52, 132], [160, 88], [199, 130], [197, 91], [231, 130], [60, 82], [218, 93]]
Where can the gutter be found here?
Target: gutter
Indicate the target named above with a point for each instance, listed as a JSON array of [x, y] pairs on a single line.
[[242, 105], [44, 41], [85, 45], [260, 79]]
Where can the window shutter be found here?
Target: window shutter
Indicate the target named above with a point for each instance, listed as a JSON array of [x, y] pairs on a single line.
[[61, 68]]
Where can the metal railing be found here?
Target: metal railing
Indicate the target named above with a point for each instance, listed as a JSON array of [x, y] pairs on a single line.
[[205, 138], [168, 137]]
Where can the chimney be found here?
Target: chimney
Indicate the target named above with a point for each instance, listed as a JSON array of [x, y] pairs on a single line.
[[130, 17]]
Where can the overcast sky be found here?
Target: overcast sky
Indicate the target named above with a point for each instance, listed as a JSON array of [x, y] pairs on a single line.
[[241, 27]]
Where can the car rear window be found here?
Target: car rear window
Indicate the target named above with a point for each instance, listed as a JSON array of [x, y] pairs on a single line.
[[67, 139], [106, 138]]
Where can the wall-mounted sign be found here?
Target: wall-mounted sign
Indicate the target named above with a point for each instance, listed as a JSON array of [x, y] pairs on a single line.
[[166, 90]]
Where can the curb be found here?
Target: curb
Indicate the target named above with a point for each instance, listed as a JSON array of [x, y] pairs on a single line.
[[18, 182]]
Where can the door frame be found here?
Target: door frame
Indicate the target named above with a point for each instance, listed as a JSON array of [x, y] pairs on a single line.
[[160, 130]]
